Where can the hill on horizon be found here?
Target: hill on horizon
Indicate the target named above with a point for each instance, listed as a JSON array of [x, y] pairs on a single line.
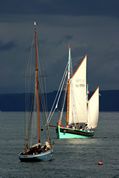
[[109, 101]]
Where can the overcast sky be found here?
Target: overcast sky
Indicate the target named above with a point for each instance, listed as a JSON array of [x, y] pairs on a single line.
[[90, 27]]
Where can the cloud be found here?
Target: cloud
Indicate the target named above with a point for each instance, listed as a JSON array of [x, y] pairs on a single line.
[[5, 46], [61, 7], [95, 35]]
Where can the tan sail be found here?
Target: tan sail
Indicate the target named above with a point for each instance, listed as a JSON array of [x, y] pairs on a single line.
[[93, 110], [78, 95]]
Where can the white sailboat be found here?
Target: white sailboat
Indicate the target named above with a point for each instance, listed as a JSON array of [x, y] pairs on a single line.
[[81, 113]]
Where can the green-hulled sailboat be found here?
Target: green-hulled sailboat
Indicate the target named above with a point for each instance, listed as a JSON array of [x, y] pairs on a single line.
[[82, 113]]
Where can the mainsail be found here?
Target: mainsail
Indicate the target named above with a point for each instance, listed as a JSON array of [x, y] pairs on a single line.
[[78, 95], [93, 110]]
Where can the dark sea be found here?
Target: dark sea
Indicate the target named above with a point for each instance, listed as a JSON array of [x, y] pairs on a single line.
[[73, 158]]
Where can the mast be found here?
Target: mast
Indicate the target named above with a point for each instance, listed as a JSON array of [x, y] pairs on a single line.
[[37, 82], [68, 86]]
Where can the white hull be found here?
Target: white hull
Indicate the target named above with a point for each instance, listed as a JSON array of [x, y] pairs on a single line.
[[43, 156]]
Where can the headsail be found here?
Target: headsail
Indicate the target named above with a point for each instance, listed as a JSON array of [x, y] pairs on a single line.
[[78, 95], [93, 109]]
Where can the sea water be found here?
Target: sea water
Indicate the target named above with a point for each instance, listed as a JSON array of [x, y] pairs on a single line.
[[73, 158]]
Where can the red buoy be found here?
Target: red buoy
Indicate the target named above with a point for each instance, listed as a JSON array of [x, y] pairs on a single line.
[[100, 162]]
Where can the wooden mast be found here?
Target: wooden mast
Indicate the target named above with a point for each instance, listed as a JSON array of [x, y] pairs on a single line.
[[68, 86], [37, 82]]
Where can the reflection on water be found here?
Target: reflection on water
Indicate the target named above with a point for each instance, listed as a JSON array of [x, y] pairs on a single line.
[[89, 141]]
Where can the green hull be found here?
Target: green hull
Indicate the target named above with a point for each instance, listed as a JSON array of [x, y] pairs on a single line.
[[67, 133]]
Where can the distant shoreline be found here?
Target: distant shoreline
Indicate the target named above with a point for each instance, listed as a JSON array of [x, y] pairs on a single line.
[[109, 101]]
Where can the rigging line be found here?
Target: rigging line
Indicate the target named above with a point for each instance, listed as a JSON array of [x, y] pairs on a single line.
[[43, 89], [61, 90], [28, 80], [28, 75], [29, 62], [43, 96], [58, 97], [44, 105], [63, 103], [27, 95], [29, 115], [53, 106]]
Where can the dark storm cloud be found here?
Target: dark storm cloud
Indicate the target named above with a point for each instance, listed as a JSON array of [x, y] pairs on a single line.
[[65, 40], [90, 27], [5, 46], [60, 7]]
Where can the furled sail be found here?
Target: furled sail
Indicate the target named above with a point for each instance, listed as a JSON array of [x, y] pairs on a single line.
[[78, 95], [93, 110]]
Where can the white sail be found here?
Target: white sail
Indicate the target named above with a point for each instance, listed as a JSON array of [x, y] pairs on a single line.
[[78, 95], [93, 110]]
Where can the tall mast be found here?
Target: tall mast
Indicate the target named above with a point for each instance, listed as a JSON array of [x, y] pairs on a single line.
[[68, 86], [69, 63], [37, 82]]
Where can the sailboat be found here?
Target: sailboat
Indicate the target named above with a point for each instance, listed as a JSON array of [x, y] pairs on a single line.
[[82, 112], [36, 151]]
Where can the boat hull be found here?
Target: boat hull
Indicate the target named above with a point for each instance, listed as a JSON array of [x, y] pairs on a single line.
[[44, 156], [63, 132]]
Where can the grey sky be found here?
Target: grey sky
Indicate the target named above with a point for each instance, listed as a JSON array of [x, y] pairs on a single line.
[[91, 27]]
